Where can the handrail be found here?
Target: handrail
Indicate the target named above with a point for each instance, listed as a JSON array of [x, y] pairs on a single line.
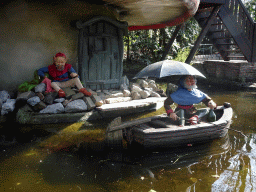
[[245, 11], [238, 23], [242, 16]]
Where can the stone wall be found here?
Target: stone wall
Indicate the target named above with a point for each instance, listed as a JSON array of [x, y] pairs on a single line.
[[230, 70]]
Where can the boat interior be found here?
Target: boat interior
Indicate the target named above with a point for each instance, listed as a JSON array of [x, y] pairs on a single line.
[[164, 121]]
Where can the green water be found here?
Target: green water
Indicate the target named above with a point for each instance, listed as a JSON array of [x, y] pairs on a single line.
[[72, 161]]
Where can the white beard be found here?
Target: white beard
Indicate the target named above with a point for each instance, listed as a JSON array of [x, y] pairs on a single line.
[[190, 87]]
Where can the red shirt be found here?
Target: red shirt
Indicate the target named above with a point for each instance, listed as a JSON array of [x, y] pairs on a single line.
[[60, 75]]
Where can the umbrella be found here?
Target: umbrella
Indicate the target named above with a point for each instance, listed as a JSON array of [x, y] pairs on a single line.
[[167, 68]]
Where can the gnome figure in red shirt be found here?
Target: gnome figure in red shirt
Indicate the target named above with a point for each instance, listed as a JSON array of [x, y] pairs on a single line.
[[60, 73]]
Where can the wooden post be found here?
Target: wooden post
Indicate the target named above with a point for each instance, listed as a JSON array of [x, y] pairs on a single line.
[[128, 48], [168, 46], [202, 34], [253, 59], [114, 136]]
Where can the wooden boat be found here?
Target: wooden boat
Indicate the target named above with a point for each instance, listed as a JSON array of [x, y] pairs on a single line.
[[160, 132]]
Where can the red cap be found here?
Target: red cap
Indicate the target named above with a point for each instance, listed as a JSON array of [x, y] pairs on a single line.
[[60, 55]]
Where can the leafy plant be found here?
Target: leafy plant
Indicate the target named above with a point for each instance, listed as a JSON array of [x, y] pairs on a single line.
[[182, 54], [250, 6], [148, 46]]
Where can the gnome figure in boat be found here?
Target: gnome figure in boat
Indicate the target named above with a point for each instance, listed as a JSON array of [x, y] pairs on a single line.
[[186, 95]]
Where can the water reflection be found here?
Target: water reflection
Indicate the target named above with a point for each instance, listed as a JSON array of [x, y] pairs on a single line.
[[240, 175], [84, 163], [143, 169]]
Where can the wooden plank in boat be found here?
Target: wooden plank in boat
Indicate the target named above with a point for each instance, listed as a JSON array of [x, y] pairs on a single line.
[[131, 123]]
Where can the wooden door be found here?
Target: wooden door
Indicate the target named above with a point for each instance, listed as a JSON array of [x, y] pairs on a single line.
[[101, 50]]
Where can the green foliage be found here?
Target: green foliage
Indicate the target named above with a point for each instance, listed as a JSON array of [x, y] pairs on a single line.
[[144, 46], [148, 46], [250, 6], [182, 54]]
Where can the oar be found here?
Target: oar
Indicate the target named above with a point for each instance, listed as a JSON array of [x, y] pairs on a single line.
[[114, 134], [116, 124]]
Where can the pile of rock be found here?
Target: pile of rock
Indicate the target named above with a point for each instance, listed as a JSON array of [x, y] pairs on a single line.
[[142, 89], [40, 101], [7, 104]]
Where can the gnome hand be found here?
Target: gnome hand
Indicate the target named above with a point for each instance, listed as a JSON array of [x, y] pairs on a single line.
[[173, 116], [212, 104], [73, 75]]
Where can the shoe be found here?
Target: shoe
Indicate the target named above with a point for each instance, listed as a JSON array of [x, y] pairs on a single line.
[[61, 93], [85, 92], [193, 120]]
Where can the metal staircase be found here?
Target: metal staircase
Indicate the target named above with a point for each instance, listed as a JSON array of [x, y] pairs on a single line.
[[231, 29]]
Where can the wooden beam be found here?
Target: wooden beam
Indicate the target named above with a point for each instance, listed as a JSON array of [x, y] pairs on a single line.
[[203, 33], [213, 1], [168, 46], [254, 45]]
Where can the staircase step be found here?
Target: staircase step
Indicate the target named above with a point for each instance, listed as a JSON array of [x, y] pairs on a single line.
[[218, 31], [236, 57], [233, 51], [216, 38], [204, 19], [217, 23], [226, 44]]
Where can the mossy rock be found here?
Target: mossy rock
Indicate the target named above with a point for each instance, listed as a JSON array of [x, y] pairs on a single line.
[[24, 114]]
